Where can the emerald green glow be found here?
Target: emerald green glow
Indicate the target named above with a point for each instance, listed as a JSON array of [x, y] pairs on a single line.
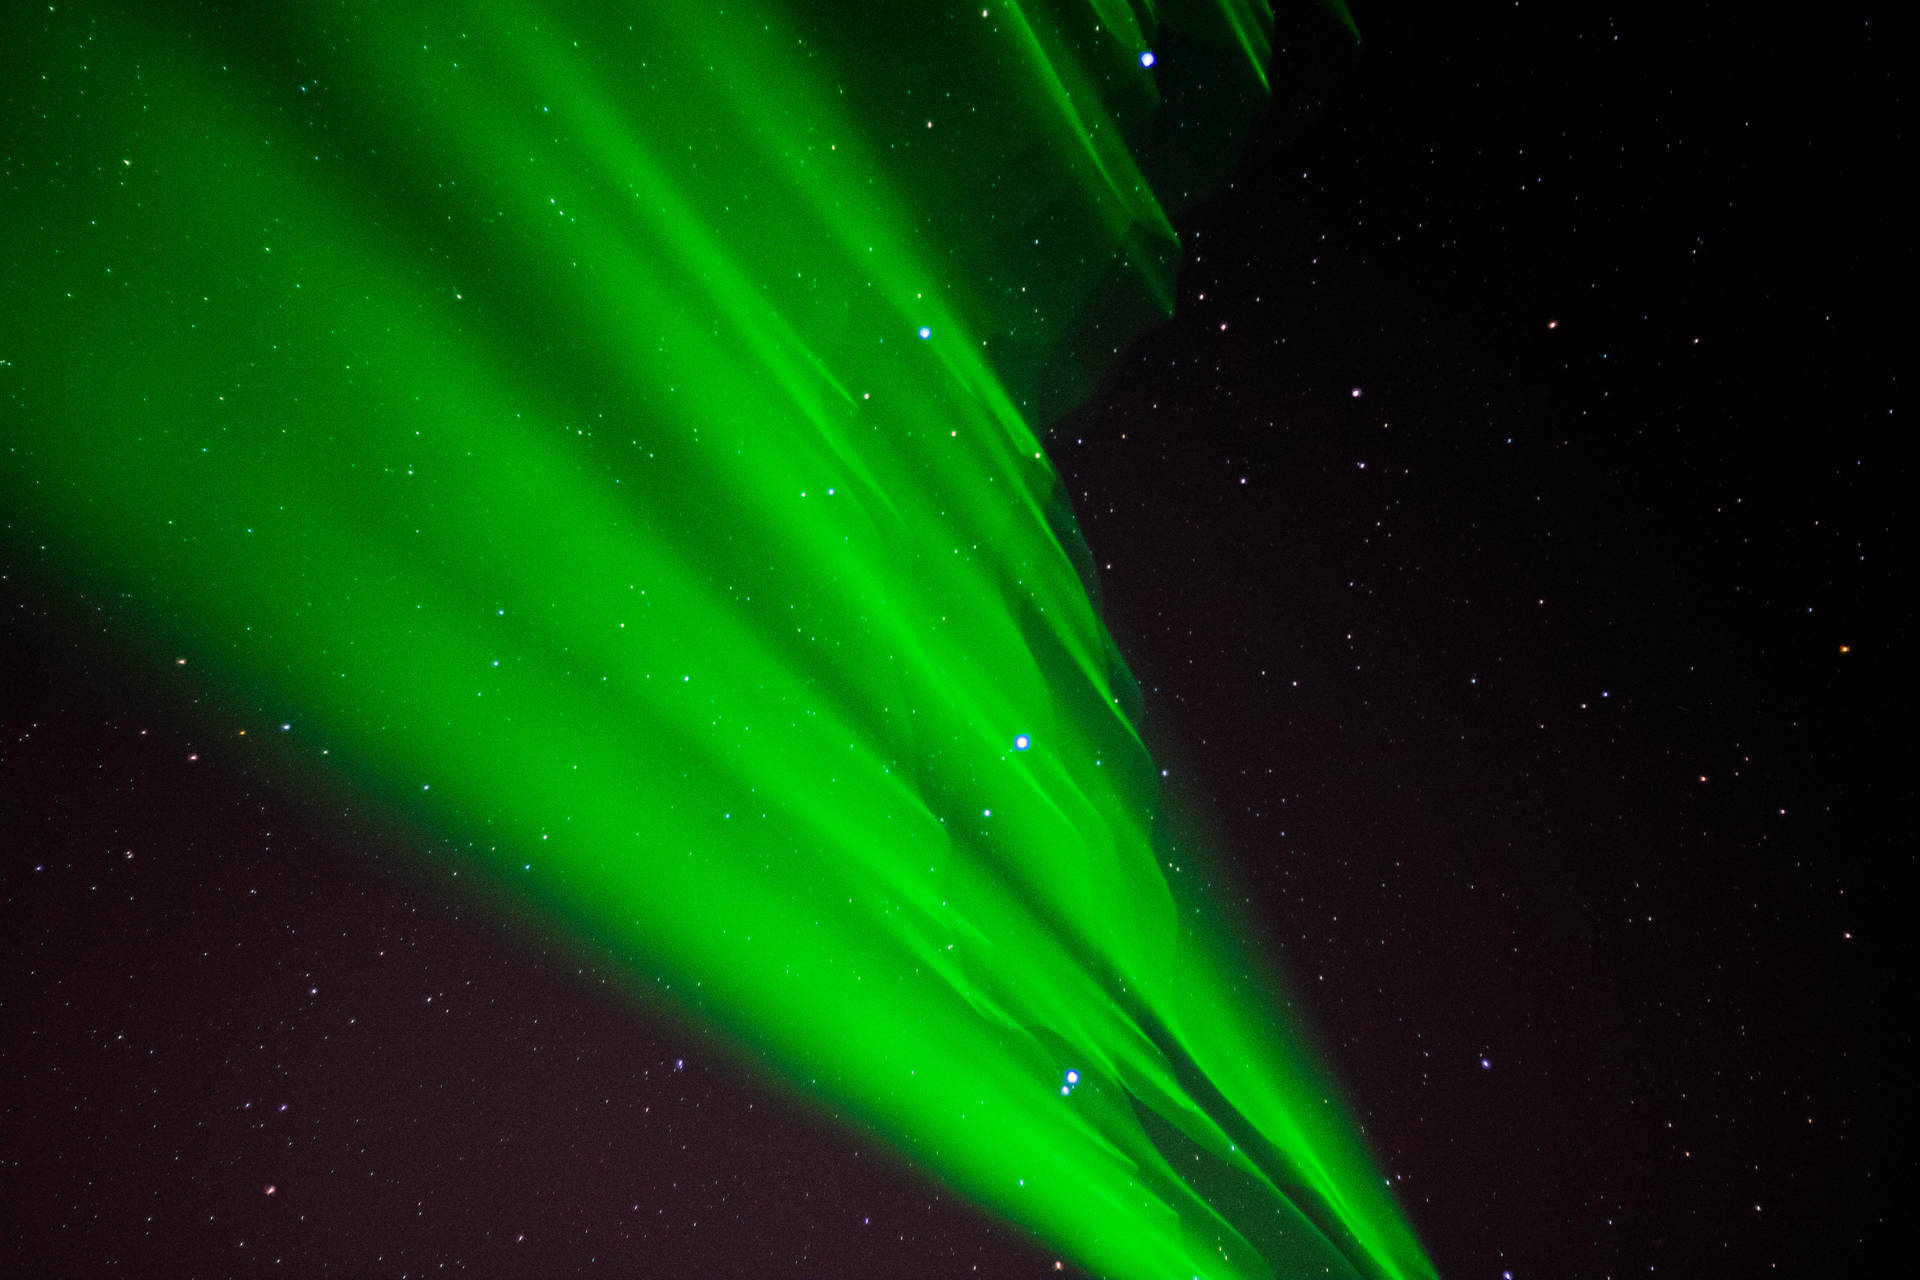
[[608, 431]]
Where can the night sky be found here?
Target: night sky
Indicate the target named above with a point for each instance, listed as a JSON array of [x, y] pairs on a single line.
[[1504, 533]]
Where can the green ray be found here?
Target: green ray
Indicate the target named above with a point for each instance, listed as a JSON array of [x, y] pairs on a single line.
[[531, 407]]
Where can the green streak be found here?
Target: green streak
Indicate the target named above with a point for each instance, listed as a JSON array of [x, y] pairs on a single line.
[[528, 407]]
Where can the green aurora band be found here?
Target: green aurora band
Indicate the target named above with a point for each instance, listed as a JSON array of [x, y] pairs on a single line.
[[606, 434]]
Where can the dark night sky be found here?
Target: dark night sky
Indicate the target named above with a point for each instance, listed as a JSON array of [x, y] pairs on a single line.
[[1544, 695]]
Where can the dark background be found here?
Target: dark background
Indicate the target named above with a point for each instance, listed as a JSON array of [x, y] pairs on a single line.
[[1545, 695]]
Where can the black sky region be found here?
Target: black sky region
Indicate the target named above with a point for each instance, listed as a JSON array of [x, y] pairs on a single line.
[[1505, 531]]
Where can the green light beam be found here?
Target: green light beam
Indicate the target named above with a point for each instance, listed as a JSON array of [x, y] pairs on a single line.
[[607, 432]]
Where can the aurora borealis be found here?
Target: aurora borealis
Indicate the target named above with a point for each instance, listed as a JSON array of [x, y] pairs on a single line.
[[613, 437]]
